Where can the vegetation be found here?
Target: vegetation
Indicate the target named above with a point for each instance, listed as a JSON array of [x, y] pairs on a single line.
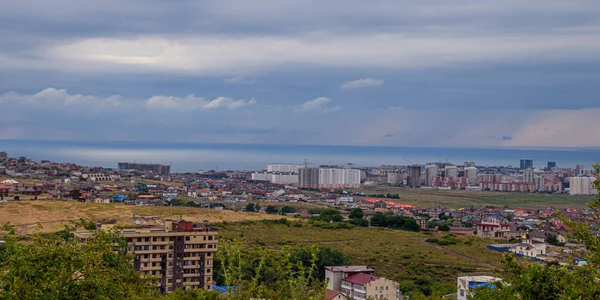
[[552, 281], [55, 268], [392, 221], [395, 254]]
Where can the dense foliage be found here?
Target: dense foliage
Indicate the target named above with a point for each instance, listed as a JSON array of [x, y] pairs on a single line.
[[57, 268], [392, 221]]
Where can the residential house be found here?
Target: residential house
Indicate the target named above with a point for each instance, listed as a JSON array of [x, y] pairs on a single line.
[[334, 295], [335, 274], [492, 228]]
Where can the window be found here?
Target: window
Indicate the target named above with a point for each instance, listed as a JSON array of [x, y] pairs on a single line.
[[187, 238], [210, 238]]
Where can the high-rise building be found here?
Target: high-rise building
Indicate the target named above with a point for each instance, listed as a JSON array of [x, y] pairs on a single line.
[[451, 171], [469, 163], [308, 178], [550, 165], [528, 175], [181, 254], [471, 174], [431, 171], [329, 178], [284, 168], [579, 169], [162, 170], [582, 186], [526, 163], [414, 175]]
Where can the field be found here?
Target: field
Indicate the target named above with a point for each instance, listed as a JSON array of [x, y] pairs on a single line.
[[52, 215], [458, 198], [397, 254]]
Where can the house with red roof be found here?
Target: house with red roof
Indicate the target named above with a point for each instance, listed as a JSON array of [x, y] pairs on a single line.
[[4, 191], [334, 295]]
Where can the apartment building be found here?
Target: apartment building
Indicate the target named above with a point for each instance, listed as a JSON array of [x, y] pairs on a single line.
[[181, 253], [335, 274], [364, 286], [582, 186]]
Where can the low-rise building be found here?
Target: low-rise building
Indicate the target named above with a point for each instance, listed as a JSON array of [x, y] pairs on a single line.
[[335, 274], [492, 228], [364, 286]]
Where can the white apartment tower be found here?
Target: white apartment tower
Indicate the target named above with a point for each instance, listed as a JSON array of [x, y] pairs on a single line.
[[431, 171], [471, 174], [582, 186]]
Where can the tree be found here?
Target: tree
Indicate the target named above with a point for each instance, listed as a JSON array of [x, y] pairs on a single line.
[[379, 219], [251, 207], [356, 213], [330, 214], [443, 227], [271, 209], [55, 268]]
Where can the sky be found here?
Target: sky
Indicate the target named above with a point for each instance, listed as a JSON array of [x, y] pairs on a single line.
[[434, 73]]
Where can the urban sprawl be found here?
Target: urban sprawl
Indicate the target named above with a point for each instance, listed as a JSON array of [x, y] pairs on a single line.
[[540, 234]]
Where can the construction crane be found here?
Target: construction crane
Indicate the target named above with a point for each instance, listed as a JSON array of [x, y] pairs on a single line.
[[306, 163], [406, 159]]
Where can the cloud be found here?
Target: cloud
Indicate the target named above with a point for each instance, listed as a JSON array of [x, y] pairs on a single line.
[[237, 79], [362, 83], [53, 96], [192, 102], [320, 104], [559, 128], [226, 54]]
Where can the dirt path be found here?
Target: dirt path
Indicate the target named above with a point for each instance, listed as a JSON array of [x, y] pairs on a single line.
[[480, 263]]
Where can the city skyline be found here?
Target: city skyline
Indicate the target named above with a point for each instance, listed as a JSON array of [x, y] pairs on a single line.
[[395, 73]]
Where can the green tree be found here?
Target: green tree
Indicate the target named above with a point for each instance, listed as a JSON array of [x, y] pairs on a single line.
[[55, 268], [325, 257], [356, 213], [330, 214], [251, 207], [444, 227]]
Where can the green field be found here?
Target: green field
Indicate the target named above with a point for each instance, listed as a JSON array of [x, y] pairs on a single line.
[[396, 254], [458, 198]]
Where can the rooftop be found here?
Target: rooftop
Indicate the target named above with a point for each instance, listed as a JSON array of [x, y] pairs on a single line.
[[360, 278], [349, 269]]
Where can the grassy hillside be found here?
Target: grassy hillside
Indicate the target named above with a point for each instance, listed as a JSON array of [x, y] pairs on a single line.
[[53, 214], [458, 198], [401, 255]]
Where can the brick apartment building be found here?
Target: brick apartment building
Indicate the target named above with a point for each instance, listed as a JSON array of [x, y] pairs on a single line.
[[181, 253]]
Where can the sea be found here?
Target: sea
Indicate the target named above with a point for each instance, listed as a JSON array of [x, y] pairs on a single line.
[[194, 157]]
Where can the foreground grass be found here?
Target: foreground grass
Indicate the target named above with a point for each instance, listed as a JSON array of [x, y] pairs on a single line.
[[395, 254], [458, 198]]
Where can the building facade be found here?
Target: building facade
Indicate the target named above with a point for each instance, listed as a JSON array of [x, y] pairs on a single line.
[[582, 186], [526, 163], [414, 175], [284, 168]]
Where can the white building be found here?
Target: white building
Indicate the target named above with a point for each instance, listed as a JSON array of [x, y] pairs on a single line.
[[339, 178], [431, 171], [465, 284], [288, 178], [451, 171], [471, 174], [283, 168], [582, 186], [528, 175]]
